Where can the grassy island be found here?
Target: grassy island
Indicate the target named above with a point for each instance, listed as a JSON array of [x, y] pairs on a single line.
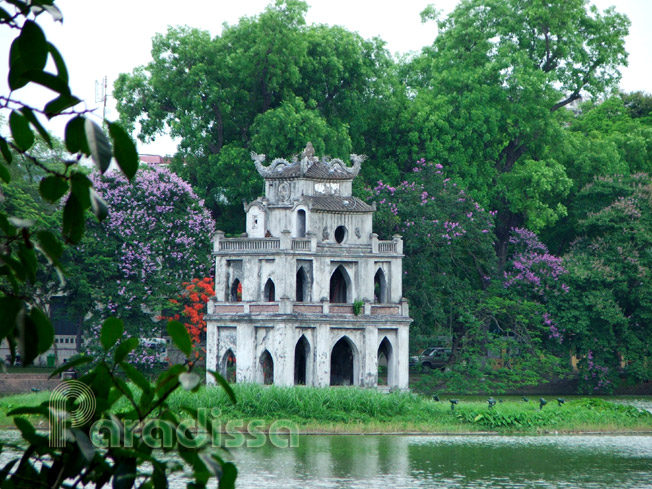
[[351, 410]]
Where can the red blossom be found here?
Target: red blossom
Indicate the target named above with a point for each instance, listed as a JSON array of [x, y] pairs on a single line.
[[193, 297]]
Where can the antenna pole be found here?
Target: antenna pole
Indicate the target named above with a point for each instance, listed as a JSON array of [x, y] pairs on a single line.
[[105, 97]]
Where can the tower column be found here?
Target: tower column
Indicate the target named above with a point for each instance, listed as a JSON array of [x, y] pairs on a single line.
[[246, 354], [322, 356]]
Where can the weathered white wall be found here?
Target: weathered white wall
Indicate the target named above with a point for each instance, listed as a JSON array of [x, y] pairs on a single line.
[[272, 249], [280, 339]]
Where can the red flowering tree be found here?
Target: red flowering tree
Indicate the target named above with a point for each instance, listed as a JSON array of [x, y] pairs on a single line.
[[190, 308]]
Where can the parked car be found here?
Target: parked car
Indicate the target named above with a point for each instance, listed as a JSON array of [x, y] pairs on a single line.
[[433, 357]]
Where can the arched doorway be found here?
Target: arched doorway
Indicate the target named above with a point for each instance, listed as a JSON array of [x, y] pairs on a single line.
[[339, 286], [269, 293], [302, 286], [385, 367], [228, 366], [301, 223], [267, 368], [236, 291], [380, 287], [301, 355], [342, 363]]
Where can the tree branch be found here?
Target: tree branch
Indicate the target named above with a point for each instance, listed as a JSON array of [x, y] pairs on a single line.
[[574, 96]]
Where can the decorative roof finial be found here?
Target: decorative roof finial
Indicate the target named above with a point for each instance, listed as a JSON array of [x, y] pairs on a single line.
[[309, 166], [309, 152]]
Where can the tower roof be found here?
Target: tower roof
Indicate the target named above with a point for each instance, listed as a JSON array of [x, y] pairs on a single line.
[[336, 203], [307, 165]]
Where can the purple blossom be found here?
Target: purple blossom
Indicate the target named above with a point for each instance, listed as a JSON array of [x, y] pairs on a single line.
[[162, 237], [532, 266]]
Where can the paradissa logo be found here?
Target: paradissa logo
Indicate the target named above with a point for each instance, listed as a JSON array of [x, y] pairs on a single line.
[[70, 402], [190, 433]]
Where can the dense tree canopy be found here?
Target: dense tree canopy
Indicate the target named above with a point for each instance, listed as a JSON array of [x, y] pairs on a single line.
[[449, 258], [235, 92], [454, 285], [489, 87], [607, 314], [603, 139], [516, 101]]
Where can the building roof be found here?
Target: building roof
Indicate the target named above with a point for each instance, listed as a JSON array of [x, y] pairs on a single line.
[[334, 203], [155, 159], [307, 165]]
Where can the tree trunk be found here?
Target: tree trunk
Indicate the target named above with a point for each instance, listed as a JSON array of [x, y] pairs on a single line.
[[505, 222], [458, 334]]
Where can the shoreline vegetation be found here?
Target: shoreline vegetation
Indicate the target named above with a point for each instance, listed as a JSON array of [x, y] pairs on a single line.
[[361, 411]]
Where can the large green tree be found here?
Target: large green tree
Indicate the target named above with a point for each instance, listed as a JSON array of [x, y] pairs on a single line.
[[270, 84], [602, 139], [500, 327], [606, 315], [487, 91]]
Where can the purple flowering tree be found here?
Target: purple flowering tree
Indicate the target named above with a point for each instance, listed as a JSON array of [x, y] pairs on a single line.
[[499, 326], [156, 237], [534, 276], [449, 253]]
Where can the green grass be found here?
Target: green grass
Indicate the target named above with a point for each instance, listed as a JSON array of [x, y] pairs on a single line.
[[358, 410], [8, 403], [339, 410], [27, 370]]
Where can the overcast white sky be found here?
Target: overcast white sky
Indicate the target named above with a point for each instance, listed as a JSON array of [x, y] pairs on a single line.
[[105, 38]]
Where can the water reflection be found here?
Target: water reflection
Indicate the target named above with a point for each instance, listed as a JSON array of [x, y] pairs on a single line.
[[444, 462], [451, 462]]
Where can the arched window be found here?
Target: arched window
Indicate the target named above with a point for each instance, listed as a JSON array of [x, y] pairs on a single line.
[[342, 363], [385, 360], [267, 368], [269, 294], [301, 355], [380, 287], [302, 293], [236, 291], [228, 366], [301, 223], [339, 286]]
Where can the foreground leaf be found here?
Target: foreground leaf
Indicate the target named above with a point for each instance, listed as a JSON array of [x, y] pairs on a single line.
[[180, 336], [20, 131], [224, 384], [99, 145], [124, 150], [112, 330]]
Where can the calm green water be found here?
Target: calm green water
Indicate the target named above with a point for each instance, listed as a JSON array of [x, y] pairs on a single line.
[[399, 462], [451, 462]]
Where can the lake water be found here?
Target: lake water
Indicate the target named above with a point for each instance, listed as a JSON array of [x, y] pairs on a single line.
[[397, 462], [451, 462]]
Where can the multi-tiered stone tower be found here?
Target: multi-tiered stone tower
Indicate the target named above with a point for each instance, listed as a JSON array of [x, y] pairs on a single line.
[[309, 294]]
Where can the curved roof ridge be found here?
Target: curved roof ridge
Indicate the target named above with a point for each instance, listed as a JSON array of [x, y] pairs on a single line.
[[308, 166]]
